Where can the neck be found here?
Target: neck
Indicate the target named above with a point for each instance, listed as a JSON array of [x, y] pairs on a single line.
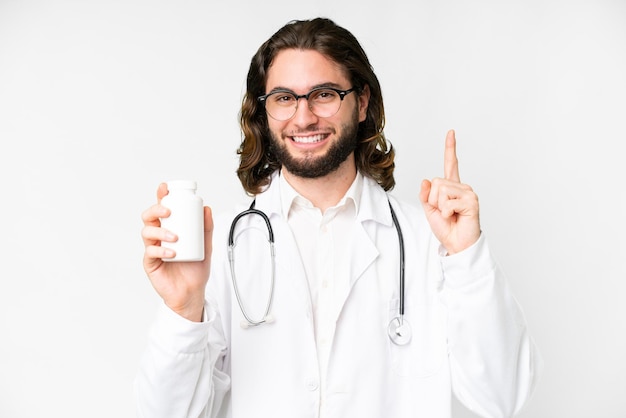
[[324, 192]]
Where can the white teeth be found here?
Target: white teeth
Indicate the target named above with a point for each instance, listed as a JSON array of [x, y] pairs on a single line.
[[308, 139]]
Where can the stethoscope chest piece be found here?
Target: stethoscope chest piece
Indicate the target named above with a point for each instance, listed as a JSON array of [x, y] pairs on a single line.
[[399, 331]]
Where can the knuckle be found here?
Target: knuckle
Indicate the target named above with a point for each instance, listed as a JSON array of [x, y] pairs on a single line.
[[146, 232], [437, 181]]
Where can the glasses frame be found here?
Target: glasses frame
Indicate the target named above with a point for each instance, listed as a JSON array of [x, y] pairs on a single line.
[[342, 94]]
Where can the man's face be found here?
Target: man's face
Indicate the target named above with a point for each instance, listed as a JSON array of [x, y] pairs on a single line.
[[308, 145]]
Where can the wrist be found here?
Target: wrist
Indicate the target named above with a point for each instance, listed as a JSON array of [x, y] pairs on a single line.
[[191, 310]]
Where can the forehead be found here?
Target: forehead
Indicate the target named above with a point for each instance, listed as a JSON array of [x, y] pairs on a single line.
[[302, 69]]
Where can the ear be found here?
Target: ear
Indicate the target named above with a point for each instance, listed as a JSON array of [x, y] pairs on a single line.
[[363, 102]]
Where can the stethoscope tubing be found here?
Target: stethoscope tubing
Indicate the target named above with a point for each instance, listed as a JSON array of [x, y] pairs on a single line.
[[401, 245], [399, 330], [249, 321]]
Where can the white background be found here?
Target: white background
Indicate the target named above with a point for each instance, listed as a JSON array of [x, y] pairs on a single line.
[[102, 100]]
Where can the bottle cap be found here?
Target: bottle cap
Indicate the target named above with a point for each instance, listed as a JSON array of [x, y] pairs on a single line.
[[182, 184]]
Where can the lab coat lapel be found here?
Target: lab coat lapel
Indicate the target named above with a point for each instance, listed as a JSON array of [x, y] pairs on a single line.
[[362, 254], [373, 210]]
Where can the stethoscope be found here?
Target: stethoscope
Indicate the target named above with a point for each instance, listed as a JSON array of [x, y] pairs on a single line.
[[399, 329]]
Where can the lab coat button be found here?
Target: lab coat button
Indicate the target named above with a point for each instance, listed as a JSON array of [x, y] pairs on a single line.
[[311, 384]]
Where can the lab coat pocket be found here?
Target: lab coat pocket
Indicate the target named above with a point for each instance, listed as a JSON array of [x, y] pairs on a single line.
[[425, 353]]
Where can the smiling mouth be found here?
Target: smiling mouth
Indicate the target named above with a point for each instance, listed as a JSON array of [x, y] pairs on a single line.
[[309, 139]]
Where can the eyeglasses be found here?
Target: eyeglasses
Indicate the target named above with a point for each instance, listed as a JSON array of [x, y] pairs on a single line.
[[324, 102]]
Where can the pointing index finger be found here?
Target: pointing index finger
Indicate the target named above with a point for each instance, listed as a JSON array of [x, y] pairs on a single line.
[[450, 162]]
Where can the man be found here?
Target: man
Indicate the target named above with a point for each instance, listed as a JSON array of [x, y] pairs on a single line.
[[337, 336]]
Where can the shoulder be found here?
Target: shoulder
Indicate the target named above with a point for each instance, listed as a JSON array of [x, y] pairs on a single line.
[[408, 213], [376, 200]]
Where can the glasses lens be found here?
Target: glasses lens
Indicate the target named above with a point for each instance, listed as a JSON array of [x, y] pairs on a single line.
[[322, 102], [281, 105]]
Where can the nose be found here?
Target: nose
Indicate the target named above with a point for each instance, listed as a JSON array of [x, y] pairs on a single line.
[[304, 116]]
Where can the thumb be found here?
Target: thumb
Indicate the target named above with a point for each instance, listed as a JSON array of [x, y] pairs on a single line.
[[424, 192], [208, 231]]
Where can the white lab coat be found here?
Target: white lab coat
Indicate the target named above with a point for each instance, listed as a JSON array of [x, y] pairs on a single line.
[[469, 334]]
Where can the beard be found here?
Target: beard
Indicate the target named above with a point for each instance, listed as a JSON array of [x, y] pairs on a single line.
[[313, 167]]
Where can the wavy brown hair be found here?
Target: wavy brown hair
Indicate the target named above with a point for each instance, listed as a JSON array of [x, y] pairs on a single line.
[[374, 155]]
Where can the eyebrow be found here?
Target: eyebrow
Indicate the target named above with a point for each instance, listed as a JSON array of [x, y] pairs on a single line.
[[316, 86]]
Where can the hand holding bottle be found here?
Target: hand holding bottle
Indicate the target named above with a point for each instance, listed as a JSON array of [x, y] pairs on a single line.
[[181, 284]]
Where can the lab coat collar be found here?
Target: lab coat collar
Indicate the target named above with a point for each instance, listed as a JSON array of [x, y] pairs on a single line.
[[269, 199], [372, 205], [290, 197]]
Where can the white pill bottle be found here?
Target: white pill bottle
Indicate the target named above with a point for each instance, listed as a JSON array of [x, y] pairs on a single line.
[[186, 220]]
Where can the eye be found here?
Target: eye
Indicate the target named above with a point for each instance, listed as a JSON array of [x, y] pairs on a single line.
[[282, 98], [324, 95]]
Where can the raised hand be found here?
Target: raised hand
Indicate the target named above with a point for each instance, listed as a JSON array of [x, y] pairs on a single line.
[[451, 207], [180, 284]]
